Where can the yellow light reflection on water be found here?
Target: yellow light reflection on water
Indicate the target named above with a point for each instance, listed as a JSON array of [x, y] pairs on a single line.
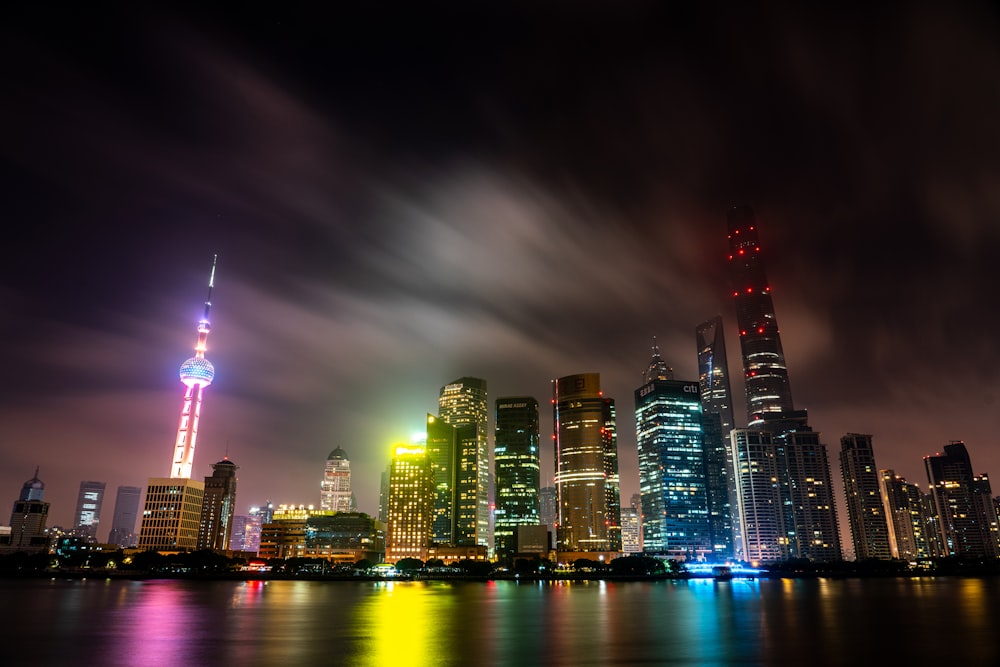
[[404, 624]]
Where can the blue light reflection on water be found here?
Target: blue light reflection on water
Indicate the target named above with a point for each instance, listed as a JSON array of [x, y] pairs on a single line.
[[367, 624]]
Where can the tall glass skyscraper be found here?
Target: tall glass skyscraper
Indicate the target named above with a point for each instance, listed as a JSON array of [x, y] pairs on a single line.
[[454, 511], [586, 466], [717, 422], [672, 478], [88, 510], [516, 460], [463, 402], [713, 372], [764, 372]]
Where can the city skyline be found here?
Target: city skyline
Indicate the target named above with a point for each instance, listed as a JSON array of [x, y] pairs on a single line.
[[392, 209]]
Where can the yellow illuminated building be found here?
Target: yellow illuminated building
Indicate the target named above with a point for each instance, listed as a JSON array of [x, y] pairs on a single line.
[[411, 504]]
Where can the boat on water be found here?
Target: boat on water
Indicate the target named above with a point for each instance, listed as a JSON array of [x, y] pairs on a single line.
[[722, 573]]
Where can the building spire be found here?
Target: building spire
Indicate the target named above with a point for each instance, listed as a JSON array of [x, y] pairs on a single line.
[[657, 368], [211, 284]]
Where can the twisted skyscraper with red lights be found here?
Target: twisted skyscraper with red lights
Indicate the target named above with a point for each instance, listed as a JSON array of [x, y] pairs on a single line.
[[765, 373]]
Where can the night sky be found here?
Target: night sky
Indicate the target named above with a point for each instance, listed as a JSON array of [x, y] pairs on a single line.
[[403, 195]]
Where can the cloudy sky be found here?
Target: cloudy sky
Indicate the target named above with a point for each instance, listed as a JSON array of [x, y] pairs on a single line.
[[399, 197]]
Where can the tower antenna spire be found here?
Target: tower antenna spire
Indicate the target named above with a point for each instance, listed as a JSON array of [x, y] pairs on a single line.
[[211, 284]]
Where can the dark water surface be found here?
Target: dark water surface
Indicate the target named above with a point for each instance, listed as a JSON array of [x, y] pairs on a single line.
[[924, 621]]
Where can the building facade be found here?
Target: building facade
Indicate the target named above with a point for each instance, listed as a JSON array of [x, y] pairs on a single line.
[[218, 507], [339, 537], [517, 469], [965, 526], [410, 504], [672, 479], [814, 531], [87, 518], [717, 422], [171, 515], [548, 506], [27, 520], [463, 402], [586, 467], [761, 508], [442, 443], [909, 520], [865, 506], [631, 530], [125, 514], [335, 488]]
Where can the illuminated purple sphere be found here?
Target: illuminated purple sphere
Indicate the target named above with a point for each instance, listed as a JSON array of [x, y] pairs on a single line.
[[197, 371]]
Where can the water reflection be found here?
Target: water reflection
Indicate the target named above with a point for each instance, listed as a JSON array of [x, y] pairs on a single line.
[[495, 624]]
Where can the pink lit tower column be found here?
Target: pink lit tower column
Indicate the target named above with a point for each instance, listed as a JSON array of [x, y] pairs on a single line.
[[196, 373], [171, 513]]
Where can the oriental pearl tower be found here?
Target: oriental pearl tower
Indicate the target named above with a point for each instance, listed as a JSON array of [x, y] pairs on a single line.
[[196, 373]]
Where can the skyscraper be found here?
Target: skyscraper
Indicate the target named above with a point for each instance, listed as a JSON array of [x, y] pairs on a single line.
[[548, 506], [171, 515], [814, 532], [865, 508], [765, 375], [761, 507], [218, 507], [713, 372], [335, 489], [808, 515], [672, 480], [410, 506], [908, 513], [516, 459], [631, 530], [256, 518], [717, 422], [27, 520], [463, 402], [122, 530], [586, 467], [966, 527], [88, 510], [442, 442]]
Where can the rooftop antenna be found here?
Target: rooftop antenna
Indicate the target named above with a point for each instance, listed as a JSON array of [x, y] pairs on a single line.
[[211, 283]]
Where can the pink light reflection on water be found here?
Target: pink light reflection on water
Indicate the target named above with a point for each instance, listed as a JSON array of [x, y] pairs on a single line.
[[166, 627]]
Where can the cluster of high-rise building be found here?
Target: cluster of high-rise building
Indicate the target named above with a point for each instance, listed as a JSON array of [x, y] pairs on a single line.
[[711, 487]]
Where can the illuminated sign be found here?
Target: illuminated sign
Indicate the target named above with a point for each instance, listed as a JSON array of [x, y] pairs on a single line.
[[405, 450]]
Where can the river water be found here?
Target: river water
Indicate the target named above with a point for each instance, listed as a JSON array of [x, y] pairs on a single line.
[[909, 622]]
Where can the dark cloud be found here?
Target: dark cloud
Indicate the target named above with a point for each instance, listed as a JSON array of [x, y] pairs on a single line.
[[400, 198]]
